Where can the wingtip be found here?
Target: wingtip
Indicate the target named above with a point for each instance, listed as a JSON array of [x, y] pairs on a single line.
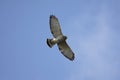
[[52, 16], [72, 59]]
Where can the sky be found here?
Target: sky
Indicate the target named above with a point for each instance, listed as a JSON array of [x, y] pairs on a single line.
[[92, 28]]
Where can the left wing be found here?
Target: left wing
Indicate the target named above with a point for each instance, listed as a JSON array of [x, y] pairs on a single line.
[[66, 50]]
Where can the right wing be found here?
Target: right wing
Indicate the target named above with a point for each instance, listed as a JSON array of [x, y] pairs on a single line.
[[55, 26]]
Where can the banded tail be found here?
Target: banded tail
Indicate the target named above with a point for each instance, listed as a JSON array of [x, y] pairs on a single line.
[[50, 43]]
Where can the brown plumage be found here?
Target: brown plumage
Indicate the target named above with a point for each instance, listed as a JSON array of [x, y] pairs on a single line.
[[59, 39]]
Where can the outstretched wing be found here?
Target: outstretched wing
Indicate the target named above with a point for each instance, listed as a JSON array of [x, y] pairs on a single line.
[[66, 50], [55, 26]]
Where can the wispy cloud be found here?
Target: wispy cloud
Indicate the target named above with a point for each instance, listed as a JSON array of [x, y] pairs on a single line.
[[96, 59]]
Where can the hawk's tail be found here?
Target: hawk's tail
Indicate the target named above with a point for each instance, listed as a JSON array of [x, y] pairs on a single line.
[[50, 43]]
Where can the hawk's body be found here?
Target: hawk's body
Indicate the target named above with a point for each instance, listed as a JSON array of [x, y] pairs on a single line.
[[59, 39]]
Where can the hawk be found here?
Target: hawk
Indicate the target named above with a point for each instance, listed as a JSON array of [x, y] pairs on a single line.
[[59, 39]]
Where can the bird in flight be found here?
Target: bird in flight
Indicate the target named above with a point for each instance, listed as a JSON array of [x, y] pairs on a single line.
[[59, 38]]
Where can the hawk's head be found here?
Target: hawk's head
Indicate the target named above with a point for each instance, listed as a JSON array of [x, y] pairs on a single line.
[[65, 37]]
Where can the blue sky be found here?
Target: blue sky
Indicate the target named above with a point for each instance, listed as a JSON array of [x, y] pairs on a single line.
[[92, 27]]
